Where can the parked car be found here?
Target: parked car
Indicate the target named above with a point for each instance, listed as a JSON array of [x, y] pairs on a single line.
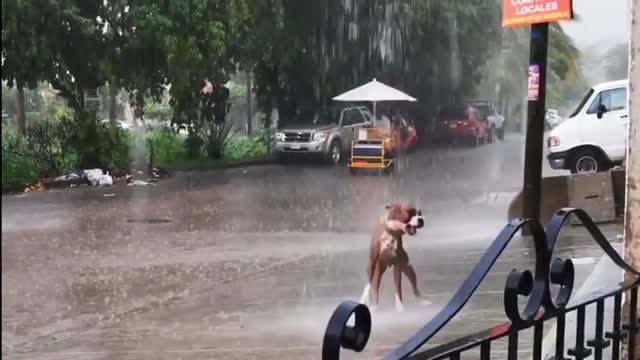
[[462, 122], [119, 123], [552, 119], [326, 133], [489, 113], [405, 134], [594, 137]]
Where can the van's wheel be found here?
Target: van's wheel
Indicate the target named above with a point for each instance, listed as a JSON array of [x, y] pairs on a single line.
[[500, 133], [335, 153], [587, 161]]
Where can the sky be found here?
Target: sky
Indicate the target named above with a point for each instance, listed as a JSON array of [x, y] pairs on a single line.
[[601, 22]]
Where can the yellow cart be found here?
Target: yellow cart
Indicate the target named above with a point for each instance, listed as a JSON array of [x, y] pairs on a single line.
[[374, 149]]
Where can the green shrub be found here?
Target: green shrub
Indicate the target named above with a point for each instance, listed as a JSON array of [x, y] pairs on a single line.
[[167, 146], [265, 137], [17, 171], [115, 147], [246, 148], [158, 111], [98, 144]]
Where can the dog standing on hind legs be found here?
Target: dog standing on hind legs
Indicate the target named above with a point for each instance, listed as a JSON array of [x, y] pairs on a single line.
[[386, 250]]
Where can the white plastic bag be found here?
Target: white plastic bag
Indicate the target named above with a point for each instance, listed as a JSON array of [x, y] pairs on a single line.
[[93, 176], [105, 180]]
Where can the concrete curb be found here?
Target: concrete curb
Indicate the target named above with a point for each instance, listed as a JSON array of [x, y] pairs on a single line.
[[224, 165]]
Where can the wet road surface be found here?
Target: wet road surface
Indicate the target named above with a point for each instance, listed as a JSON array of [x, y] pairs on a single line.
[[250, 263]]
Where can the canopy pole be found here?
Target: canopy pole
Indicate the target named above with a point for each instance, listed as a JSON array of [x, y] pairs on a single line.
[[374, 113]]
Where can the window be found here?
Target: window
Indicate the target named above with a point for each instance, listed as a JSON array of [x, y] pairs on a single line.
[[586, 98], [612, 100], [351, 117]]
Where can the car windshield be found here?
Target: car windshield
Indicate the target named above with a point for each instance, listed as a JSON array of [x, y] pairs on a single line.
[[483, 109], [586, 98], [453, 113], [318, 117]]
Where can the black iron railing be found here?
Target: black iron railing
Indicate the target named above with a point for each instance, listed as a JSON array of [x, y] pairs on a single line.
[[540, 307]]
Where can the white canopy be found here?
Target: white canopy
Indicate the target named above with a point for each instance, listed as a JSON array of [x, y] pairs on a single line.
[[374, 91]]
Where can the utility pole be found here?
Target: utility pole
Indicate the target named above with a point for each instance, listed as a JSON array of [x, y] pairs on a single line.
[[535, 123], [632, 203], [249, 122]]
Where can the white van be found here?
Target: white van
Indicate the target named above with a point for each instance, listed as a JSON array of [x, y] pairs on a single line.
[[594, 137]]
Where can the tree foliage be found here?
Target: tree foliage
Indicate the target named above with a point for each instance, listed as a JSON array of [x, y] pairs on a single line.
[[301, 53], [616, 62]]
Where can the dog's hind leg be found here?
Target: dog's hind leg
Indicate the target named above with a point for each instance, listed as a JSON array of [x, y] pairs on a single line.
[[397, 279], [408, 270]]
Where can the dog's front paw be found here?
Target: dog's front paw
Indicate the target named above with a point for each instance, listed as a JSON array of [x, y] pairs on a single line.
[[399, 306]]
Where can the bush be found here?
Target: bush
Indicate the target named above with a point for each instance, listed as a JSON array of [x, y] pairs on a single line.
[[265, 137], [115, 148], [17, 171], [246, 149], [98, 144], [168, 147]]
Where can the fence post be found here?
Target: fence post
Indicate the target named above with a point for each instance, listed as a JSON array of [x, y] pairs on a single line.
[[632, 208]]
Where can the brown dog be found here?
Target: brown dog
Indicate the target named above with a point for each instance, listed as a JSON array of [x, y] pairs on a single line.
[[386, 250]]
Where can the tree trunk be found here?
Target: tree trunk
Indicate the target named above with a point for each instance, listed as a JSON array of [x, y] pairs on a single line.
[[20, 112], [249, 121], [113, 92], [632, 209]]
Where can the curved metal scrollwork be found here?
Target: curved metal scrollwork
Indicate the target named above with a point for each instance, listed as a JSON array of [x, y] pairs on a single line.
[[339, 334], [537, 286]]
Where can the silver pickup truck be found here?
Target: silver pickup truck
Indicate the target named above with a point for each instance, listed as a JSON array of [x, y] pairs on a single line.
[[326, 133]]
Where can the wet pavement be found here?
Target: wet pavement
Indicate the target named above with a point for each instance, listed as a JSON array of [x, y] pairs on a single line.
[[250, 263]]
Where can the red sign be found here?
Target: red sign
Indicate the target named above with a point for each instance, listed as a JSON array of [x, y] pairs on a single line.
[[527, 12]]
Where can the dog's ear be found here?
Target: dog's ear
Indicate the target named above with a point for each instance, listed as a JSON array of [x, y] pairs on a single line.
[[395, 211]]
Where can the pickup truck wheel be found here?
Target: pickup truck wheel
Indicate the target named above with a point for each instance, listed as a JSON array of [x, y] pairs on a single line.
[[335, 153], [500, 133], [587, 161], [492, 135]]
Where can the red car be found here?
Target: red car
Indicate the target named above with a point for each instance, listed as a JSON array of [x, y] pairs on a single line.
[[405, 135], [462, 123]]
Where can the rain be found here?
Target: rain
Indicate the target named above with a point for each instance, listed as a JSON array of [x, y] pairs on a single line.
[[248, 259]]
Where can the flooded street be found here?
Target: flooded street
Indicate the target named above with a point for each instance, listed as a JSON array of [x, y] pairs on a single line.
[[250, 263]]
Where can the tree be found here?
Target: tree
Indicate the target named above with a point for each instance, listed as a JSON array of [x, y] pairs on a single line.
[[75, 37], [26, 58], [135, 57], [433, 50], [507, 71], [616, 62]]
